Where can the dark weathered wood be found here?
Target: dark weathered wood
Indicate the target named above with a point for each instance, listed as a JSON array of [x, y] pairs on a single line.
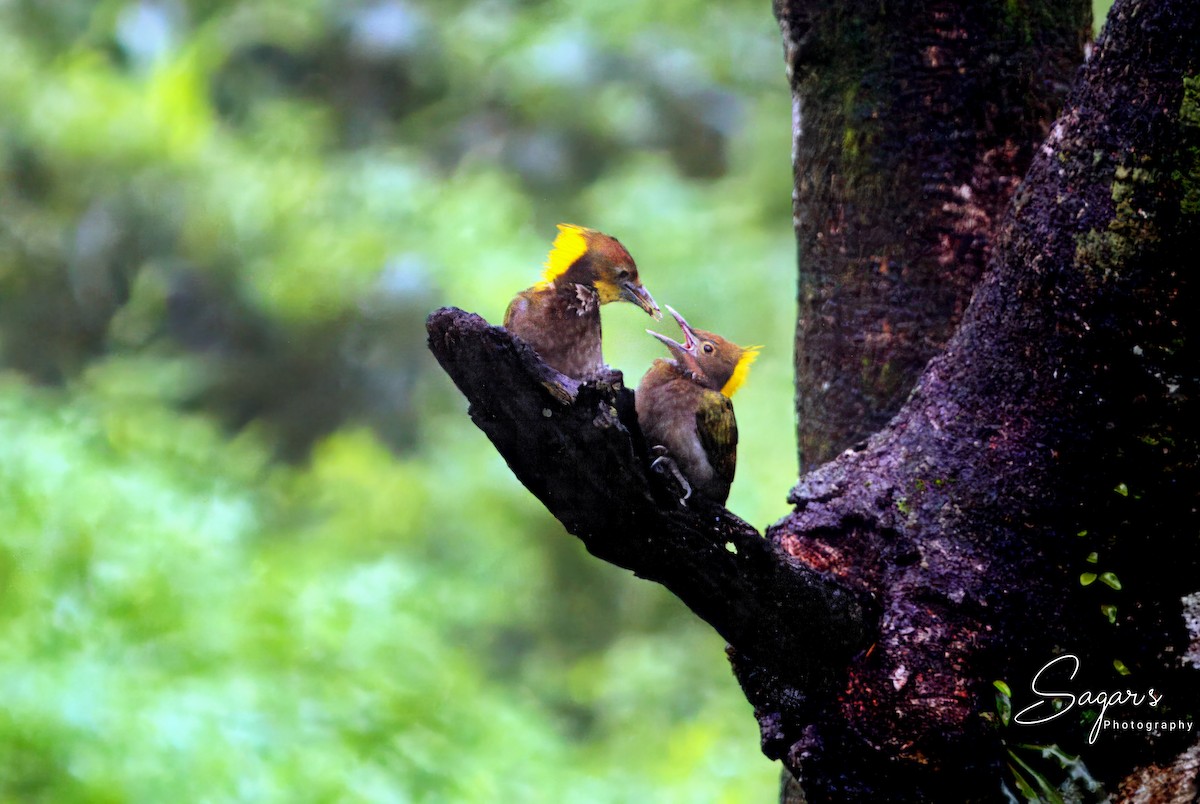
[[586, 461]]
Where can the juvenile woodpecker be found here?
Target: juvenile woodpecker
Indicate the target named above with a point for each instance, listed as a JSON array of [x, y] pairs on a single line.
[[684, 406], [560, 316]]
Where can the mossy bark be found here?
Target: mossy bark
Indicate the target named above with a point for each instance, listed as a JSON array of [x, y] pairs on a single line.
[[913, 124], [1054, 439]]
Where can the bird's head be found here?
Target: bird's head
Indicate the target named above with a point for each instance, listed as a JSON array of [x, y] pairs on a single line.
[[715, 362], [588, 257]]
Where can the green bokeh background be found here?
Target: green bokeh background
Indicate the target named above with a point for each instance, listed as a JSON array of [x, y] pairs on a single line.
[[250, 546]]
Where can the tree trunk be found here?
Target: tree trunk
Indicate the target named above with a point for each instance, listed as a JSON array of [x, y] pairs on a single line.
[[1053, 437], [914, 123], [1057, 426]]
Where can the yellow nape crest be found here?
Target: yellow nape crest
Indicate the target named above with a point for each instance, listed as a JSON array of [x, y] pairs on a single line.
[[741, 370], [569, 246]]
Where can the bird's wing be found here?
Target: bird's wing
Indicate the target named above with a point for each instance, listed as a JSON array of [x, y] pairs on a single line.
[[718, 433], [516, 308]]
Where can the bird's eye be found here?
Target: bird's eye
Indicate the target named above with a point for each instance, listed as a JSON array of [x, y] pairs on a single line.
[[708, 348], [622, 273]]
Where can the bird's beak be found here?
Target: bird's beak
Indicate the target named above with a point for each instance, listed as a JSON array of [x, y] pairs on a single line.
[[684, 352], [689, 334], [636, 294], [678, 350]]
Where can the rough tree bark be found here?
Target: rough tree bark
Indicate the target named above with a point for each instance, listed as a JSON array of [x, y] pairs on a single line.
[[1062, 406], [1054, 435], [914, 123]]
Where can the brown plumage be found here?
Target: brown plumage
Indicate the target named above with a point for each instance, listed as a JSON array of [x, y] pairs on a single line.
[[560, 316], [684, 406]]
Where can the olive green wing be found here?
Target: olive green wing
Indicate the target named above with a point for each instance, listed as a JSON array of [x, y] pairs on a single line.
[[717, 429]]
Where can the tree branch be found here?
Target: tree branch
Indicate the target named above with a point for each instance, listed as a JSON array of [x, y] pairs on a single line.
[[587, 462]]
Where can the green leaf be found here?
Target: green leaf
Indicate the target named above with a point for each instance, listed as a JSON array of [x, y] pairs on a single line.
[[1023, 787], [1049, 793], [1121, 668], [1087, 578], [1110, 579], [1109, 611], [1003, 702]]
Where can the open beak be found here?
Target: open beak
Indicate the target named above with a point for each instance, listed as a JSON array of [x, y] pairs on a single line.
[[636, 294], [689, 335], [678, 350], [684, 352]]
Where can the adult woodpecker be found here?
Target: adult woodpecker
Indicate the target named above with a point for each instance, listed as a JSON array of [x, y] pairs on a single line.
[[560, 316], [684, 406]]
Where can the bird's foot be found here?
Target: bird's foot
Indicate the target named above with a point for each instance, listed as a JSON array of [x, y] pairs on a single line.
[[663, 465]]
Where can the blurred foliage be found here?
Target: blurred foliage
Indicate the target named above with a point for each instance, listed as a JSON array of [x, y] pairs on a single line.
[[250, 546]]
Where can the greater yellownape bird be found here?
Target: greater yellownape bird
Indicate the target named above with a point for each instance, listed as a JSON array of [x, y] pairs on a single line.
[[560, 316], [684, 406]]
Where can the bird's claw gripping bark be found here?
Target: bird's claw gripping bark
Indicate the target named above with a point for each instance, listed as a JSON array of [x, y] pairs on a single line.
[[665, 466]]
